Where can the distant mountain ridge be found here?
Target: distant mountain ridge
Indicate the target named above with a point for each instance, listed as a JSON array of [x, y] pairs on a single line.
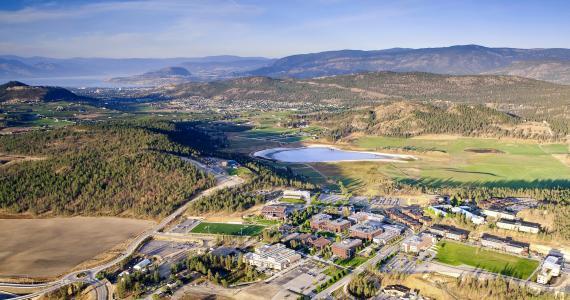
[[168, 75], [18, 92], [16, 67], [550, 64], [454, 60]]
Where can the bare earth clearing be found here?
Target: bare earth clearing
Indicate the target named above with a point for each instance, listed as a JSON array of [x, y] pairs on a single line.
[[45, 248]]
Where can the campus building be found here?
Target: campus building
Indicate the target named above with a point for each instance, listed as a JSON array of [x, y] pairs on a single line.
[[418, 243], [550, 268], [499, 213], [504, 244], [323, 222], [367, 230], [346, 248], [465, 210], [396, 215], [449, 232], [518, 225], [276, 212], [301, 195], [277, 257], [391, 232], [360, 217]]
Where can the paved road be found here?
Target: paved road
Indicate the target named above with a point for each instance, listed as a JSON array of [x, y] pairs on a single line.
[[88, 275], [384, 252]]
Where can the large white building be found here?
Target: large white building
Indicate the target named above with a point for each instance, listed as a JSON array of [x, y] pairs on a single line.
[[277, 257], [475, 219], [362, 216], [418, 243], [142, 264], [303, 195], [550, 268], [499, 213], [518, 225]]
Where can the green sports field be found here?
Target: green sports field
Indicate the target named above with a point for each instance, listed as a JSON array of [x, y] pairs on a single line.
[[456, 254], [228, 229]]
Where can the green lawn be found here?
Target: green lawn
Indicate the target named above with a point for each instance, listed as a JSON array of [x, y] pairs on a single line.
[[351, 262], [444, 162], [292, 200], [228, 229], [241, 171], [456, 254], [261, 221]]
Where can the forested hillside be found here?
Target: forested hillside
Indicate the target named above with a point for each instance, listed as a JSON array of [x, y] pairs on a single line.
[[18, 92], [407, 119], [125, 169]]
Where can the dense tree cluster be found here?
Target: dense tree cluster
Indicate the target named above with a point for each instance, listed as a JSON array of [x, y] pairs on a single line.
[[107, 169], [407, 119], [223, 270], [247, 195], [136, 283], [363, 286]]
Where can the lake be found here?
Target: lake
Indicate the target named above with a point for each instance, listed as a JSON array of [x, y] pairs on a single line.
[[326, 154]]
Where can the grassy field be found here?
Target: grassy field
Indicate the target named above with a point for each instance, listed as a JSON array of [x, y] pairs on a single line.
[[455, 162], [48, 247], [351, 262], [292, 200], [456, 254], [228, 229]]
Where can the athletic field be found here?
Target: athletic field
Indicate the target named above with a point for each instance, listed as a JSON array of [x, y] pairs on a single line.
[[228, 229], [456, 254]]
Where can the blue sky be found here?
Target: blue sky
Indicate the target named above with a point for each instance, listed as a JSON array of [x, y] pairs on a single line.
[[188, 28]]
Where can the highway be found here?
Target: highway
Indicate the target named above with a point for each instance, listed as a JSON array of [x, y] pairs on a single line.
[[88, 275]]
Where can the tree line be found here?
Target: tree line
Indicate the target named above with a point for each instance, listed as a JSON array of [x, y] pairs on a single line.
[[112, 168]]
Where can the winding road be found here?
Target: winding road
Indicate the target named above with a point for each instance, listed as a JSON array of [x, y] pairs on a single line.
[[88, 275]]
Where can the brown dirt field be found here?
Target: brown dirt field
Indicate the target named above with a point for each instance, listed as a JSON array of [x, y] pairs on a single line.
[[46, 248], [426, 284], [234, 216]]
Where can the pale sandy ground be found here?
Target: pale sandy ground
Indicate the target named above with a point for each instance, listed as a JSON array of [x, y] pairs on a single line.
[[46, 248]]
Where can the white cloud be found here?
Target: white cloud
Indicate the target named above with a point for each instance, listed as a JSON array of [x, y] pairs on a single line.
[[52, 12]]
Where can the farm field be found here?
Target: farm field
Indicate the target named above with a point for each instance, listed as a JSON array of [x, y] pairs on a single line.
[[456, 254], [228, 228], [44, 248], [455, 162]]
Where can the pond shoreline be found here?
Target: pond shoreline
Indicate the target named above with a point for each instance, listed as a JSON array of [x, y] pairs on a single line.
[[382, 157]]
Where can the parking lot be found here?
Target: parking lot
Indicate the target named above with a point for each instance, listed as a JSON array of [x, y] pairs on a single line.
[[165, 249], [184, 227]]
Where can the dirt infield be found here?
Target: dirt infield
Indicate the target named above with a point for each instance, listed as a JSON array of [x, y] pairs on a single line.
[[44, 248]]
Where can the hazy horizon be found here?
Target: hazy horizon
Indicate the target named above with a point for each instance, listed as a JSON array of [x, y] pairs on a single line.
[[175, 28]]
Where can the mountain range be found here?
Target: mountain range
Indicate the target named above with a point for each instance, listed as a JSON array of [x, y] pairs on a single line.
[[551, 64], [543, 64]]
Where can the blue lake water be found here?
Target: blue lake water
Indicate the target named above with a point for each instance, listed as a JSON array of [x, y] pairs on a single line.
[[5, 296], [321, 154]]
